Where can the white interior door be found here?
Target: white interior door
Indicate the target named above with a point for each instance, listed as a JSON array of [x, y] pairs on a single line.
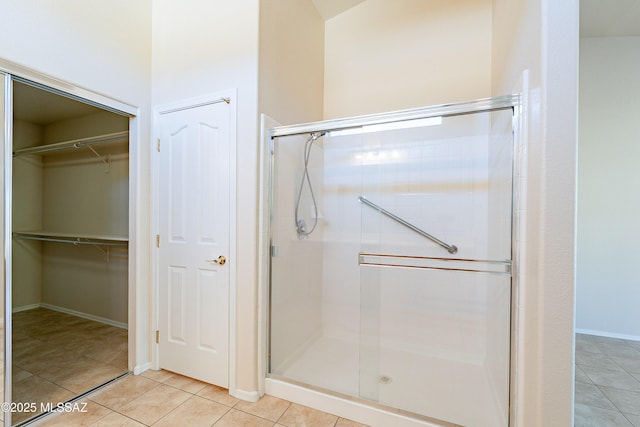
[[194, 214]]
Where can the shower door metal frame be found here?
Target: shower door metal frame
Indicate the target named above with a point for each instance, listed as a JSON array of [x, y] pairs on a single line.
[[513, 102]]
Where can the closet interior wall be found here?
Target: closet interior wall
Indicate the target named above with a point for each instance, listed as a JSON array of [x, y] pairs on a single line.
[[72, 192]]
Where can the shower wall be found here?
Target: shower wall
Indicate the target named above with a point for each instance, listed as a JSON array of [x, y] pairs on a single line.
[[427, 183], [297, 263]]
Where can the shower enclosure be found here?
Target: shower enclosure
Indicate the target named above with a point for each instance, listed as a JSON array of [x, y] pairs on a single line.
[[391, 259]]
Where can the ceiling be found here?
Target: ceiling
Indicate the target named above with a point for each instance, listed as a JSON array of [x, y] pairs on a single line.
[[42, 107], [330, 8], [610, 18]]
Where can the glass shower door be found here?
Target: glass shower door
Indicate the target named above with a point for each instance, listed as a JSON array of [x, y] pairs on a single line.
[[435, 268]]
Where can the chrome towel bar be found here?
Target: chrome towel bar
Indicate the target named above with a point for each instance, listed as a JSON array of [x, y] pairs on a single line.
[[502, 268]]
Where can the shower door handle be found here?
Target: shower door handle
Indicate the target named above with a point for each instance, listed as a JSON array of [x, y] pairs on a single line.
[[221, 260]]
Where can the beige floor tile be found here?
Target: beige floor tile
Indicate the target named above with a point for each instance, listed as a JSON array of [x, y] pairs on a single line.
[[268, 407], [218, 394], [115, 419], [590, 394], [51, 345], [154, 404], [36, 389], [581, 376], [235, 418], [123, 391], [302, 416], [599, 360], [159, 376], [88, 379], [586, 343], [611, 378], [80, 416], [629, 364], [634, 419], [195, 412], [618, 348], [187, 384], [18, 374], [588, 416], [342, 422], [626, 401]]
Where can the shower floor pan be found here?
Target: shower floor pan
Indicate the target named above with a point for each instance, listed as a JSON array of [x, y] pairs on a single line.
[[449, 390]]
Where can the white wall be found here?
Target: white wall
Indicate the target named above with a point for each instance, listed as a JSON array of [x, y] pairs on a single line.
[[608, 282], [291, 61], [388, 55], [202, 46], [535, 48], [291, 91], [104, 47]]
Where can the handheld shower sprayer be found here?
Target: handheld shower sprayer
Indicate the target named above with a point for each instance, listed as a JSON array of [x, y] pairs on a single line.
[[301, 225]]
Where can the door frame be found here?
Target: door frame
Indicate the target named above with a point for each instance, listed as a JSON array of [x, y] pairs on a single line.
[[135, 319], [229, 95]]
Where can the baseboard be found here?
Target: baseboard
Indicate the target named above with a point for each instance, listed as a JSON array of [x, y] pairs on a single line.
[[25, 308], [137, 370], [85, 315], [608, 334], [249, 396]]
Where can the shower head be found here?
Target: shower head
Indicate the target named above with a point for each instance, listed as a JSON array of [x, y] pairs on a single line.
[[316, 135]]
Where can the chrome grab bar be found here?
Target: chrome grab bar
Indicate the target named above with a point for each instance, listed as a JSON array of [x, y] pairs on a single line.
[[452, 249]]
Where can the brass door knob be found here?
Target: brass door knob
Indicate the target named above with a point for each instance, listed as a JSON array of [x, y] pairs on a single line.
[[221, 260]]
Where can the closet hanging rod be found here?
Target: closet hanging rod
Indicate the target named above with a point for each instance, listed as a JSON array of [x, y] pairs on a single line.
[[72, 240], [452, 249], [76, 143]]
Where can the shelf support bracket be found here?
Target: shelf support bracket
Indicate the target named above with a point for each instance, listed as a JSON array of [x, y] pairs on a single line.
[[107, 162]]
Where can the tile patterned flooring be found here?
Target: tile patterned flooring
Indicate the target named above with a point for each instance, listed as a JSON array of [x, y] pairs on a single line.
[[165, 399], [607, 383], [54, 365], [57, 356]]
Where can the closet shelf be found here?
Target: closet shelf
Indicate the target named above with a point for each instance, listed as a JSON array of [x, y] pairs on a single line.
[[76, 239], [76, 143]]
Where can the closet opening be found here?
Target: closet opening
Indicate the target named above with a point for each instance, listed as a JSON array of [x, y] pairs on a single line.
[[69, 252]]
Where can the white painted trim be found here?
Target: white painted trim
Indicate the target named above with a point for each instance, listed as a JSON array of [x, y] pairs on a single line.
[[342, 407], [84, 315], [231, 94], [26, 307], [137, 370], [76, 91], [137, 287], [248, 396], [607, 334]]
